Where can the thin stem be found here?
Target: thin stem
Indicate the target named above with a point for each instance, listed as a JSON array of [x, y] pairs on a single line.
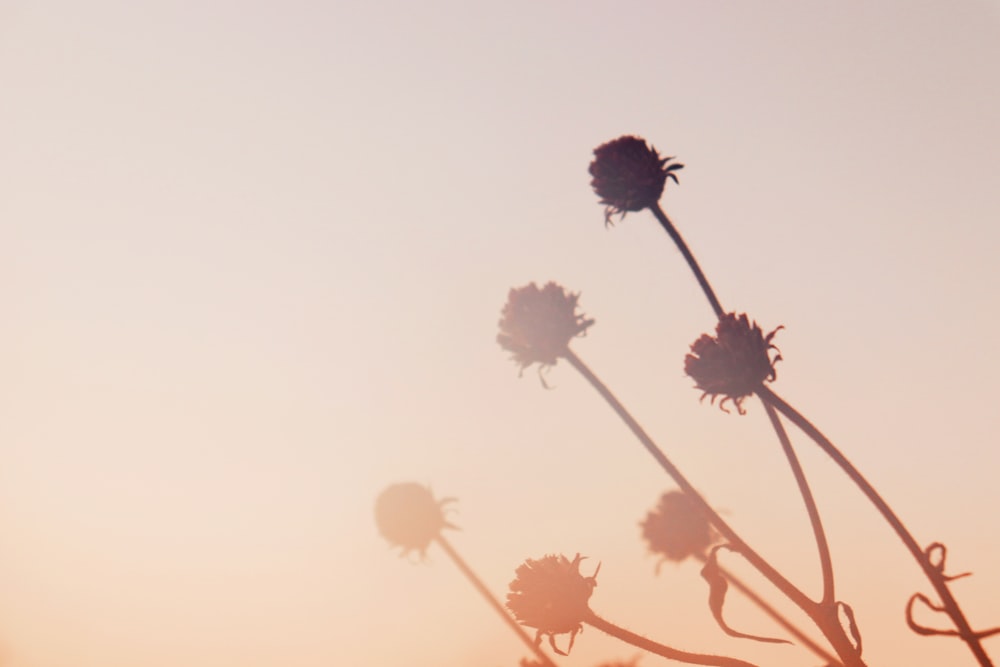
[[935, 576], [775, 615], [481, 587], [826, 564], [692, 262], [822, 616], [647, 644], [786, 587]]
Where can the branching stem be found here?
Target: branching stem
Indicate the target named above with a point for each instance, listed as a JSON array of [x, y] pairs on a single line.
[[776, 615], [934, 575], [827, 622]]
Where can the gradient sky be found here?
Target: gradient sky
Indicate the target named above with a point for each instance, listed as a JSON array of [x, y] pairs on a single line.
[[252, 257]]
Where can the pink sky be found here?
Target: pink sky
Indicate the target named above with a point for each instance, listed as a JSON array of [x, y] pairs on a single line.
[[252, 257]]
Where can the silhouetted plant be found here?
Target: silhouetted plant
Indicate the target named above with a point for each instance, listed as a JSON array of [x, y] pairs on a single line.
[[550, 594], [741, 370]]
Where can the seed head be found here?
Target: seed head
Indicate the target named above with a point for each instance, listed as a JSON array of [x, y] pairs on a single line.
[[536, 325], [734, 362], [409, 517], [676, 528], [551, 596], [629, 175]]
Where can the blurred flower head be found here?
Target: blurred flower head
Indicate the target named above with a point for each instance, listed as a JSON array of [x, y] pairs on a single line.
[[676, 528], [536, 325], [551, 596], [409, 517], [629, 175], [734, 362]]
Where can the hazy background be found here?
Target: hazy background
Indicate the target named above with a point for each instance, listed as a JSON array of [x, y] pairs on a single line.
[[252, 257]]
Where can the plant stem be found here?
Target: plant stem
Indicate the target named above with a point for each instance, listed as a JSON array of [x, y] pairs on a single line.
[[481, 587], [692, 262], [776, 615], [827, 622], [934, 575], [647, 644], [786, 587], [826, 564]]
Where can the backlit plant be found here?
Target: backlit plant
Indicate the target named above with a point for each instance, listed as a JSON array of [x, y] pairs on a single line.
[[551, 596]]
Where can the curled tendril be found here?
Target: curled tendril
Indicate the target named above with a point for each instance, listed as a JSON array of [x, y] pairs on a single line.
[[936, 554], [928, 632], [922, 629]]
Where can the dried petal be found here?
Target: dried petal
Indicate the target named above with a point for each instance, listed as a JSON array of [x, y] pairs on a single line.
[[629, 175], [734, 362]]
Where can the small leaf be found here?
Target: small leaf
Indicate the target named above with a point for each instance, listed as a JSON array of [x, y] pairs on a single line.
[[852, 625], [718, 586]]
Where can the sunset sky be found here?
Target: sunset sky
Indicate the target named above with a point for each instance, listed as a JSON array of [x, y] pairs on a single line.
[[253, 255]]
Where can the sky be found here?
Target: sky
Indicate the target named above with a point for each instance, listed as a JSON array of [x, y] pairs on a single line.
[[253, 255]]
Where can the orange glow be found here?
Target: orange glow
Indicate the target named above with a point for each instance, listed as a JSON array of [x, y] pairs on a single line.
[[252, 262]]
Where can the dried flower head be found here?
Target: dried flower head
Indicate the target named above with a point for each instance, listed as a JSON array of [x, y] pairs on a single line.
[[409, 517], [551, 596], [629, 175], [676, 528], [734, 362], [537, 325]]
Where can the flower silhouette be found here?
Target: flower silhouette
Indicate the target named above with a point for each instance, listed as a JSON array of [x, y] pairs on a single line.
[[734, 362], [629, 175], [551, 596], [676, 528], [536, 325], [408, 516]]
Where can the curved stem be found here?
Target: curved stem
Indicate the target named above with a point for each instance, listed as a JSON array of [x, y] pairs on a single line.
[[935, 576], [826, 564], [647, 644], [776, 615], [765, 568], [692, 262], [481, 587], [827, 622]]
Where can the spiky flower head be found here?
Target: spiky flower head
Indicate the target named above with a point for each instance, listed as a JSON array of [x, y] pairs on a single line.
[[551, 596], [676, 528], [629, 175], [536, 325], [408, 516], [734, 362]]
